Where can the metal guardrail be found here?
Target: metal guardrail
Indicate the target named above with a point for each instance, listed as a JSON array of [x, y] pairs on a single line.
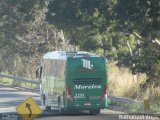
[[19, 79], [125, 100]]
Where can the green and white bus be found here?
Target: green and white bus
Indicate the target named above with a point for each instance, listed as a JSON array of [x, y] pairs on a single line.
[[74, 81]]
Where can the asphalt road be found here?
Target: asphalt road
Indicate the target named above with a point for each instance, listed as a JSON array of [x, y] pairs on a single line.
[[81, 115], [10, 97]]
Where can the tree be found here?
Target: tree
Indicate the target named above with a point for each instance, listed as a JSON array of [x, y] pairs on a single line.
[[85, 22], [25, 35], [142, 17]]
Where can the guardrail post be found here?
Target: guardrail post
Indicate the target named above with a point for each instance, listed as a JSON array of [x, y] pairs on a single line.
[[15, 82]]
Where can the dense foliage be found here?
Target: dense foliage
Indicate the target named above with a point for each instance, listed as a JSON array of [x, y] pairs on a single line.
[[127, 31]]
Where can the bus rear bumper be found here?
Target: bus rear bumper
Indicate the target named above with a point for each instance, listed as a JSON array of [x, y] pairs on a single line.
[[85, 105]]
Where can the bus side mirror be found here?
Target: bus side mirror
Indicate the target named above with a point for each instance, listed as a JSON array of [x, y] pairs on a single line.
[[40, 72], [37, 72]]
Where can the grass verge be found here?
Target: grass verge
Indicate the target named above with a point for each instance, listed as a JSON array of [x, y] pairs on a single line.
[[12, 82], [123, 84]]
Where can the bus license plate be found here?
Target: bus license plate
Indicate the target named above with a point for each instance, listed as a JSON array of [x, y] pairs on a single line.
[[87, 104]]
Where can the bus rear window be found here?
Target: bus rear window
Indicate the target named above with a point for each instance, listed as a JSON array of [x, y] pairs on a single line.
[[87, 81]]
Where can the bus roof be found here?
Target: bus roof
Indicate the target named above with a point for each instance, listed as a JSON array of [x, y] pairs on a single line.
[[65, 54]]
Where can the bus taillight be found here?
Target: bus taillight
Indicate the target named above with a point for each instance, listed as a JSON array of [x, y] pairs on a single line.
[[69, 96], [105, 93]]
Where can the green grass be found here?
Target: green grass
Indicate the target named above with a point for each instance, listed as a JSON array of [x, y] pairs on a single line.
[[156, 107], [6, 81]]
